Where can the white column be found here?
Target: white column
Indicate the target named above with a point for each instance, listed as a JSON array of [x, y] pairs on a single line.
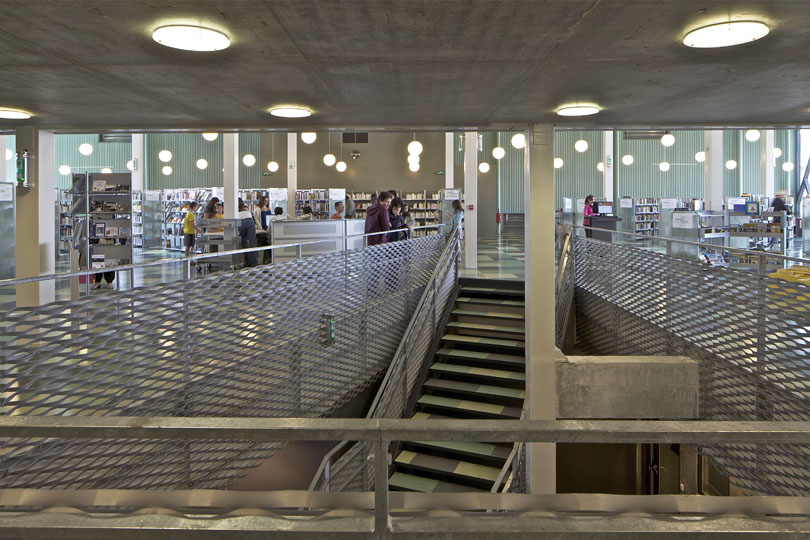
[[713, 170], [36, 223], [292, 171], [140, 164], [766, 163], [449, 161], [607, 163], [230, 162], [471, 199], [3, 161], [541, 387]]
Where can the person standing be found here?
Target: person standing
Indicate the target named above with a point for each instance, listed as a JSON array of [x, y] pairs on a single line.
[[457, 219], [778, 205], [338, 211], [377, 219], [247, 232], [190, 229], [396, 220], [410, 222], [350, 208], [262, 234], [588, 210]]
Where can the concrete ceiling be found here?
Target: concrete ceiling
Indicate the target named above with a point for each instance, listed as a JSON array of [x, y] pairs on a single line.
[[92, 64]]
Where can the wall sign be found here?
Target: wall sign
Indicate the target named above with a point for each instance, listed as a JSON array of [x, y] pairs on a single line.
[[337, 194], [6, 192], [152, 195], [681, 220], [452, 194], [568, 204], [669, 204], [278, 194], [625, 203]]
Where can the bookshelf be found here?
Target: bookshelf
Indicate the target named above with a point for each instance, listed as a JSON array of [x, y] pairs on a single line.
[[175, 205], [646, 217], [318, 199], [424, 205], [64, 221], [137, 219], [758, 232]]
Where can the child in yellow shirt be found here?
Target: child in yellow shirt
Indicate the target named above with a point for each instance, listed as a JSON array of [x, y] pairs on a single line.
[[190, 228]]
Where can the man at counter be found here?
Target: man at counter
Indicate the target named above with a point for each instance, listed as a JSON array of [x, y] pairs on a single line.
[[338, 211], [377, 218]]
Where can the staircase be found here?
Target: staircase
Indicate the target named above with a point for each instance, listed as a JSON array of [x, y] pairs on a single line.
[[478, 371]]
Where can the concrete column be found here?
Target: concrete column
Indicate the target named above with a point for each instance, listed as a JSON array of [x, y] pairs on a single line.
[[449, 161], [607, 163], [766, 163], [140, 164], [713, 170], [471, 199], [541, 387], [230, 162], [36, 222], [292, 171], [3, 161]]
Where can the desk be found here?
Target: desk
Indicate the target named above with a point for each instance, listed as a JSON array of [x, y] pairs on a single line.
[[603, 222]]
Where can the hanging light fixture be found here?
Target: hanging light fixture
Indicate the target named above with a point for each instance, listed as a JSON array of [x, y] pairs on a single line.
[[131, 165], [668, 139], [202, 164], [663, 166], [64, 170], [85, 149], [309, 137], [581, 145], [165, 156], [249, 160], [787, 166], [558, 163], [498, 152], [166, 170], [627, 159], [700, 157], [483, 167], [600, 167], [413, 167], [752, 135], [210, 136], [777, 152], [518, 140], [415, 147], [341, 165], [329, 158], [731, 164], [413, 158], [272, 165]]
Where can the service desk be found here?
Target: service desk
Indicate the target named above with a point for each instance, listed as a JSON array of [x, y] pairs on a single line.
[[331, 231], [604, 222]]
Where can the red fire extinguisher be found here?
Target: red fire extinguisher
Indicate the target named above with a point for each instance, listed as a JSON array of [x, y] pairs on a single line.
[[498, 217]]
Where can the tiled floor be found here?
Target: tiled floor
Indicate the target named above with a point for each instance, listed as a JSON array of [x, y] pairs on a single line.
[[499, 258]]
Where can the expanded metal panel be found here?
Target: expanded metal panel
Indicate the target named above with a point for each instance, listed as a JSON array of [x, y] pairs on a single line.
[[750, 334], [248, 343], [564, 299]]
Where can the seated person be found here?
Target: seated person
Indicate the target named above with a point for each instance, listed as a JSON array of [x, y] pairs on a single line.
[[307, 214], [338, 211]]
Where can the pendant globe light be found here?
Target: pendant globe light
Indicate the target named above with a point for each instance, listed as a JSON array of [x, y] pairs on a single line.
[[415, 147], [668, 139], [272, 165], [483, 167], [309, 137], [329, 158], [498, 152], [341, 165], [518, 140]]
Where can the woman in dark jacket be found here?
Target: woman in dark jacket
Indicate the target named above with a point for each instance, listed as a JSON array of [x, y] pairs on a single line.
[[377, 219], [396, 220]]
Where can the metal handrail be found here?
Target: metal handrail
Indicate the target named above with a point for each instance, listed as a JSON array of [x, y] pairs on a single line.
[[20, 281]]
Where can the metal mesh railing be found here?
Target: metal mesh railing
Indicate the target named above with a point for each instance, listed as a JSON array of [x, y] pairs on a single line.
[[347, 467], [248, 343], [749, 332]]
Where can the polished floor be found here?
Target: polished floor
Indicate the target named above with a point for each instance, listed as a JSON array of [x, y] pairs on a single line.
[[499, 258]]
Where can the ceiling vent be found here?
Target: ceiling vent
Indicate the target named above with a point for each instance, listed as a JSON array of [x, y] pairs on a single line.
[[641, 134], [361, 138], [115, 138]]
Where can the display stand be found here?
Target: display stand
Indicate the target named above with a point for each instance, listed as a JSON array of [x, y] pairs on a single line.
[[64, 223], [757, 232], [137, 219], [152, 215]]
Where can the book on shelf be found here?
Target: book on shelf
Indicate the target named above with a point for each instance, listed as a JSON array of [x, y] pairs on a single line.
[[110, 231], [97, 260]]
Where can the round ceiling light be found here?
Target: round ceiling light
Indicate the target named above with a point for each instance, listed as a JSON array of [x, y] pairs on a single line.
[[558, 163], [291, 112], [581, 145], [578, 110], [131, 165], [415, 147], [165, 156], [700, 157], [191, 38], [85, 149], [340, 166], [329, 159], [210, 136], [725, 34], [787, 166], [272, 166], [309, 137], [627, 159], [731, 164], [483, 167], [64, 170], [14, 114], [202, 164], [752, 135], [600, 167], [777, 153], [668, 139], [414, 167], [9, 153], [498, 152], [663, 166], [166, 170], [249, 160], [518, 140]]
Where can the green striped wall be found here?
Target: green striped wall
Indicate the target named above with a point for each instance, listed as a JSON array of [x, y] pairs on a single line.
[[578, 177], [510, 176], [746, 177], [11, 145], [109, 154]]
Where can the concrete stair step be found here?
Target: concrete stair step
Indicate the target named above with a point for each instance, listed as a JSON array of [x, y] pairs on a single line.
[[455, 468], [514, 396], [467, 408], [400, 481]]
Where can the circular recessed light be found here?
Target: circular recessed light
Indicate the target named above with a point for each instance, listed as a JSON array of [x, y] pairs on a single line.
[[14, 114], [191, 38], [731, 164], [249, 160], [9, 153], [498, 152], [291, 112], [210, 136], [131, 165], [483, 167], [663, 166], [668, 139], [725, 34], [309, 137], [578, 110], [752, 135], [165, 156], [329, 159], [777, 152], [64, 170], [600, 167], [558, 163], [413, 158], [106, 170], [700, 157], [85, 149], [787, 166], [272, 166], [627, 159], [415, 147], [518, 140], [202, 164], [166, 170], [581, 145], [340, 166]]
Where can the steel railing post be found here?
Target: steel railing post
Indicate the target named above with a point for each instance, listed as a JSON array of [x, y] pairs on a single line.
[[299, 251], [381, 488]]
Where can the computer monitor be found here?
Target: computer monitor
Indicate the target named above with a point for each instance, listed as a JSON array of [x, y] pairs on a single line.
[[604, 208], [267, 217]]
